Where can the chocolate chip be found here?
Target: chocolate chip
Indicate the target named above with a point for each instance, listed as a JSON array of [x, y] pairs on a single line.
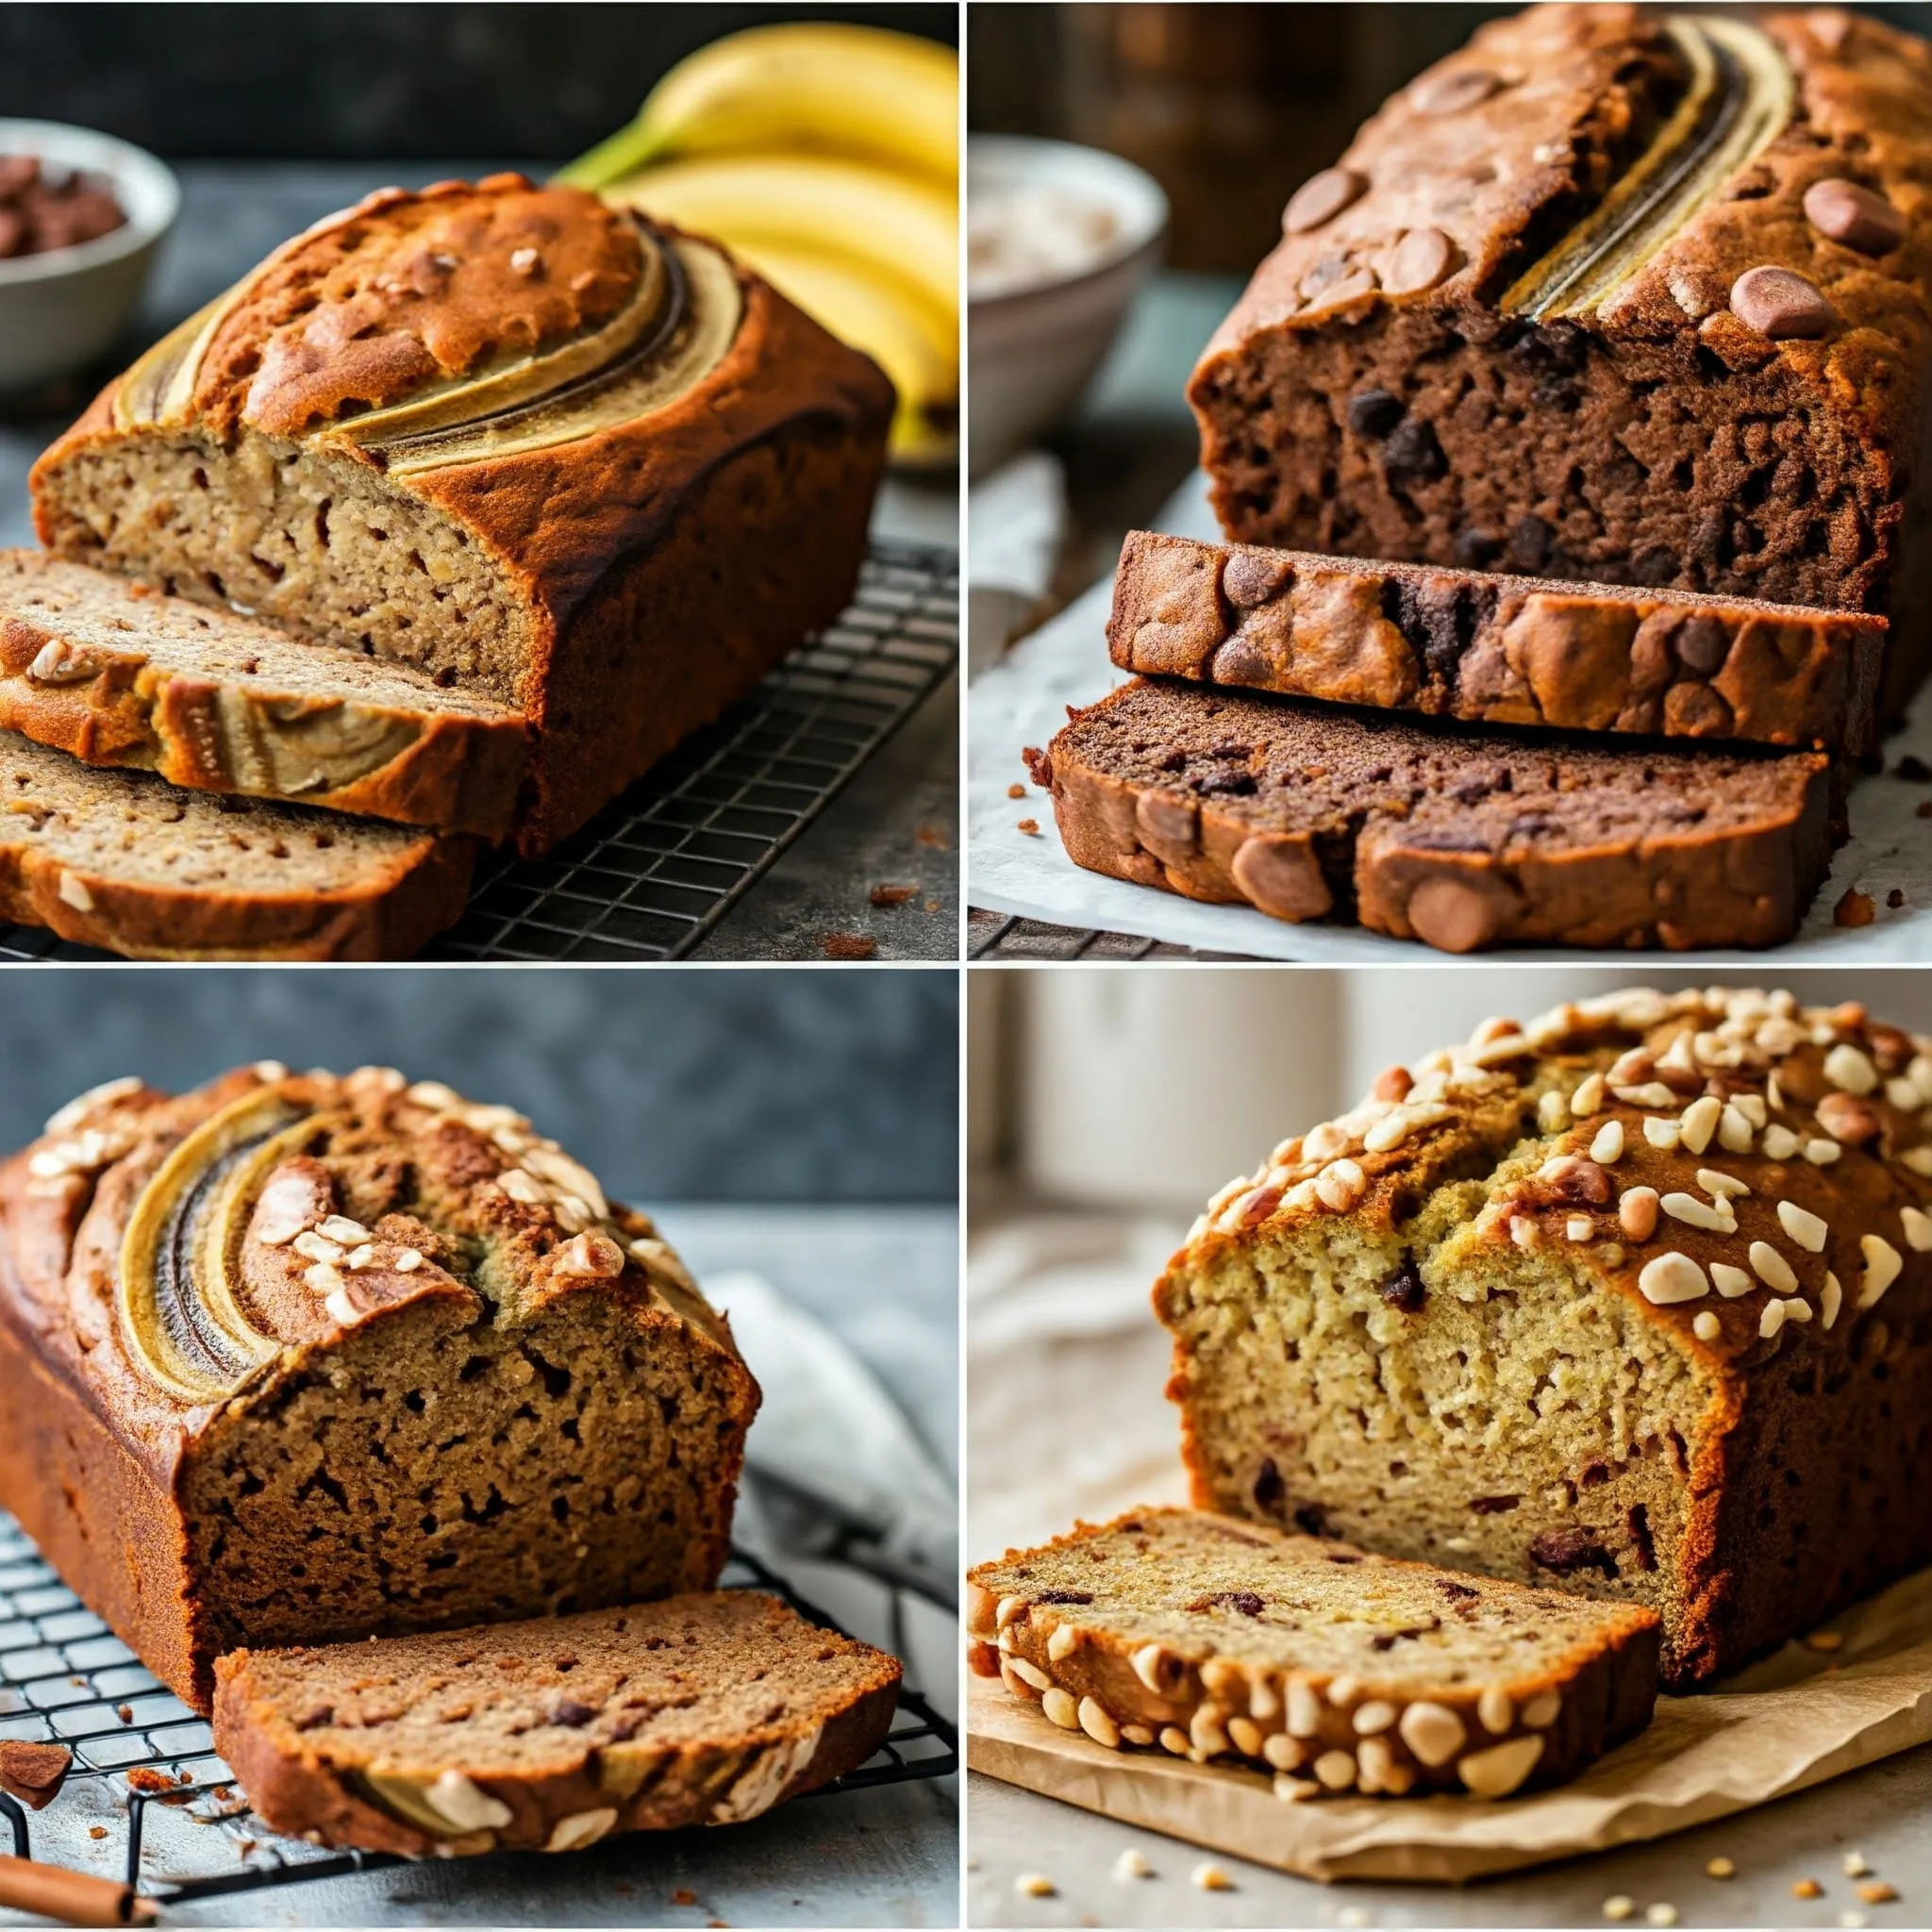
[[1914, 771], [1246, 1601], [1321, 198], [1224, 781], [1417, 261], [1404, 1289], [1269, 1488], [1314, 1519], [1566, 1551], [1064, 1597], [1374, 412], [1412, 454], [1857, 216], [1237, 661], [1251, 578], [1530, 542], [1454, 91], [1476, 549], [1456, 917], [315, 1717], [1781, 304], [1703, 644], [1653, 565], [1456, 1592], [1492, 1505], [572, 1715]]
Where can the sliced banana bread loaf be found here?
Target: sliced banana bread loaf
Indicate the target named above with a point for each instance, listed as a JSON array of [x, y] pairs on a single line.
[[1616, 294], [1631, 1300], [590, 470], [1340, 1671], [107, 671], [1496, 650], [121, 861], [1459, 837], [549, 1735], [296, 1357]]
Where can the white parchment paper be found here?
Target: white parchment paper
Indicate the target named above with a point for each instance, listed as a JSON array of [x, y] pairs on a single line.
[[1023, 701]]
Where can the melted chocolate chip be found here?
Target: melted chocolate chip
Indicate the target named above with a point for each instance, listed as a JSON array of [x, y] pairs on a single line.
[[1404, 1289], [1269, 1488], [1313, 1520], [1703, 644], [1492, 1505], [1530, 543], [1476, 549], [1456, 1592], [1412, 454], [1246, 1601], [1064, 1597], [1567, 1551], [1374, 412], [572, 1715]]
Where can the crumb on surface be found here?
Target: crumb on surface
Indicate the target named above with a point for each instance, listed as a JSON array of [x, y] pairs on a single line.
[[1619, 1906], [1016, 791], [1914, 771], [1030, 827], [97, 1831], [850, 945], [1662, 1913], [891, 895], [1209, 1876], [1855, 1865], [1807, 1887], [1036, 1885], [935, 836], [1721, 1868], [684, 1895], [1896, 898], [934, 904], [1825, 1640], [1854, 908], [1874, 1891]]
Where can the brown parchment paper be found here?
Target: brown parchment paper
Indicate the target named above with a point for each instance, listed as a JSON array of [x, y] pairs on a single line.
[[1794, 1720]]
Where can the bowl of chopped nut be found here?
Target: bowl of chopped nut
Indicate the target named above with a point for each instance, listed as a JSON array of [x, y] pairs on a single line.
[[81, 215]]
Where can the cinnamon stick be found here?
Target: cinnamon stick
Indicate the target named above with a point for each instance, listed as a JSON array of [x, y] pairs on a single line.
[[74, 1898]]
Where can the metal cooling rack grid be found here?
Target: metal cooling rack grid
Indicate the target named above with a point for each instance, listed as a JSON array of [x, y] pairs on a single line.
[[65, 1678], [1000, 935], [651, 875]]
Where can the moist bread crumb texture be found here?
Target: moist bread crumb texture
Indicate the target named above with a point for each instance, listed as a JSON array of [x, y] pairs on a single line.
[[1335, 1669], [1631, 1300], [302, 1357], [702, 1709]]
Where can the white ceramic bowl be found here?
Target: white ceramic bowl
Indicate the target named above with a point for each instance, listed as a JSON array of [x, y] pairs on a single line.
[[61, 310], [1033, 349]]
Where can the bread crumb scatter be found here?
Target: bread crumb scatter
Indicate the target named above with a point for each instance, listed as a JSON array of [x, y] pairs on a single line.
[[1036, 1885], [1619, 1906], [1855, 1865], [1209, 1876], [1854, 908], [1807, 1887], [1876, 1892], [1721, 1868], [1662, 1913], [1130, 1864]]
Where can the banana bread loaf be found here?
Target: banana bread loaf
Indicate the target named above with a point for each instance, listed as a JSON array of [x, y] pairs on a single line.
[[295, 1358], [1337, 1670], [1459, 837], [1631, 1300], [549, 1735], [113, 674], [121, 861], [1496, 650], [589, 470], [1616, 295]]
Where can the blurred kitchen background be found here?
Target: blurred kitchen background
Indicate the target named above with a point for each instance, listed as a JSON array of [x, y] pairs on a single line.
[[795, 1134]]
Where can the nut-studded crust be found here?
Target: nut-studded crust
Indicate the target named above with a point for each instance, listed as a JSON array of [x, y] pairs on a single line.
[[304, 1783], [1461, 837], [1391, 1723], [1681, 374], [1746, 1178], [420, 759], [98, 1461], [665, 564], [1495, 650], [408, 886]]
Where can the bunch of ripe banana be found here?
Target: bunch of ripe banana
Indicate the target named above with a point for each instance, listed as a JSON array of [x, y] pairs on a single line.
[[826, 158]]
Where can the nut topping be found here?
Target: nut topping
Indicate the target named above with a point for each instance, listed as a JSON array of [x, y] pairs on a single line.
[[1673, 1277], [1321, 198], [1859, 217]]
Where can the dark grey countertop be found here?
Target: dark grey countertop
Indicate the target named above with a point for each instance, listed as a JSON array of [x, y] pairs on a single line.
[[895, 823]]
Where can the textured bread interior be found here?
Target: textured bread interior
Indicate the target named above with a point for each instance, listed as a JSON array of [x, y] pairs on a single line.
[[320, 545], [1526, 1408], [132, 829], [101, 614], [722, 1668]]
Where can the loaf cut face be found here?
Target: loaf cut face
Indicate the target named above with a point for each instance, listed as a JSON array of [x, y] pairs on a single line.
[[1461, 837], [304, 1358], [1337, 1670], [1627, 1300], [109, 671], [1496, 650], [1614, 295], [122, 860], [702, 1709], [590, 471]]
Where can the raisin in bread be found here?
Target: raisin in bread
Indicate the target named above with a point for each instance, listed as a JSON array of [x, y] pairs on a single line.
[[549, 1735], [109, 671], [1496, 650], [121, 861], [1629, 1299], [1459, 837], [296, 1357], [1614, 294], [1338, 1670], [587, 469]]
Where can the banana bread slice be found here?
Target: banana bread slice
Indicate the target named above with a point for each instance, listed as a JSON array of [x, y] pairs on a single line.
[[113, 674], [1338, 1670], [1496, 650], [1459, 836], [702, 1709], [1631, 1300], [121, 861], [296, 1357]]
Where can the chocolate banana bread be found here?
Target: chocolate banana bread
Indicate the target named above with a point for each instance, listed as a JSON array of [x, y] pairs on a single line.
[[1496, 650], [587, 469], [1337, 1670], [1613, 295], [115, 674], [1630, 1300], [296, 1357], [549, 1736], [1456, 837]]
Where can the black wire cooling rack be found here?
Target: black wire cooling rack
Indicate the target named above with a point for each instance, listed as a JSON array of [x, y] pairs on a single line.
[[148, 1800], [653, 874]]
